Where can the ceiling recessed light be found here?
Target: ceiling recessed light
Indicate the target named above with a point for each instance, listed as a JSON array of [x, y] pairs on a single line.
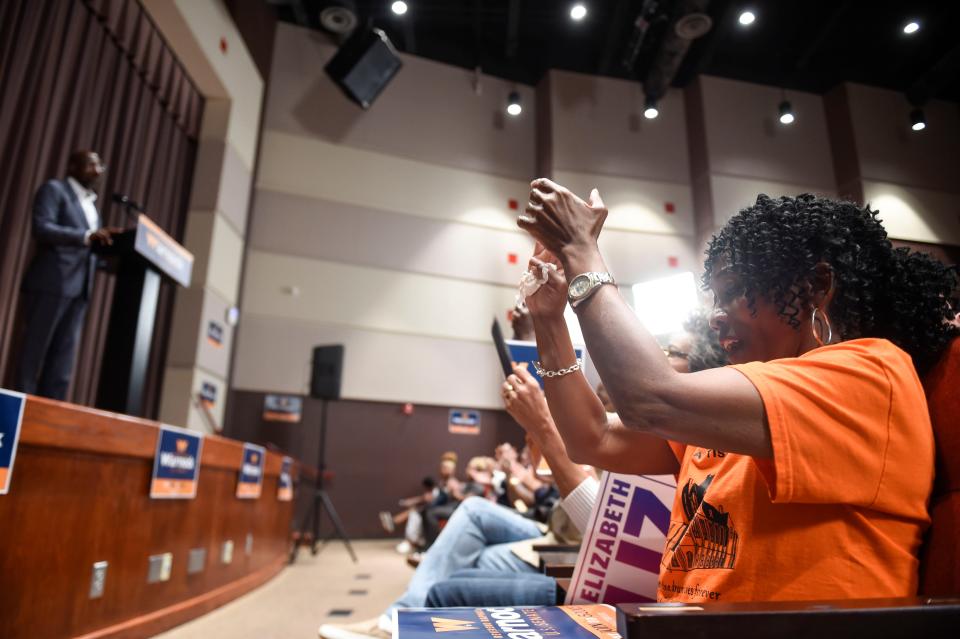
[[911, 27], [399, 7], [578, 12], [747, 18]]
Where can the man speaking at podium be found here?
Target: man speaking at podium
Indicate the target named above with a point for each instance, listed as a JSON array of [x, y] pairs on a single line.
[[58, 283]]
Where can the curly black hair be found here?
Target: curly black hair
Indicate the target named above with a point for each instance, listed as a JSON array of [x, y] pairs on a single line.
[[705, 350], [879, 291]]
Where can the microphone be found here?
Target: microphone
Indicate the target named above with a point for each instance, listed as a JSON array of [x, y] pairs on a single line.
[[130, 205]]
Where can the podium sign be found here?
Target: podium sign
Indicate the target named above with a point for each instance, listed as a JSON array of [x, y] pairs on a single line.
[[176, 464], [11, 418], [162, 251], [285, 481], [250, 479]]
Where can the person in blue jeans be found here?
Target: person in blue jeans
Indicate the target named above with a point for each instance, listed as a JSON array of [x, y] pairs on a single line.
[[478, 535]]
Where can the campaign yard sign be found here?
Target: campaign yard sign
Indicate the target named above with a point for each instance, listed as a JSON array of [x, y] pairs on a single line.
[[619, 560], [285, 480], [521, 351], [282, 408], [250, 478], [464, 422], [11, 418], [520, 622], [176, 464]]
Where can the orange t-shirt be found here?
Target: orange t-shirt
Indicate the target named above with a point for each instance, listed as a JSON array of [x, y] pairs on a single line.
[[840, 510]]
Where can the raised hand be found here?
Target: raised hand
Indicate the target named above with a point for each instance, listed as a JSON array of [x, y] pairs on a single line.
[[525, 401], [550, 299], [561, 220]]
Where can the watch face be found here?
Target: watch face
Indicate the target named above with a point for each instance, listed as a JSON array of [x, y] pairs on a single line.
[[579, 286]]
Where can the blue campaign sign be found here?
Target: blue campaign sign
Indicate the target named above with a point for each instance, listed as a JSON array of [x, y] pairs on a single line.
[[176, 464], [285, 480], [570, 622], [527, 352], [11, 418], [250, 478], [464, 422]]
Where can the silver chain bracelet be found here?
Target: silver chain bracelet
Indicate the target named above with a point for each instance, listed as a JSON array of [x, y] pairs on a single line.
[[560, 373]]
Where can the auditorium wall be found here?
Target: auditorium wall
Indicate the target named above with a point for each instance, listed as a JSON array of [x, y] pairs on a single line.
[[209, 45], [388, 230]]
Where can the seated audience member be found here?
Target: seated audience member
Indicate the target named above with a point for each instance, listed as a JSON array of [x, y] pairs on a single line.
[[480, 478], [449, 496], [411, 517], [811, 458], [694, 350]]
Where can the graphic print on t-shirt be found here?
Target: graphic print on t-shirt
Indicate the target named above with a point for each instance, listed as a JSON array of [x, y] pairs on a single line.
[[707, 539]]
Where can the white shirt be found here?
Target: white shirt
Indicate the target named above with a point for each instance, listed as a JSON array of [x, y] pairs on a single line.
[[579, 503], [87, 199]]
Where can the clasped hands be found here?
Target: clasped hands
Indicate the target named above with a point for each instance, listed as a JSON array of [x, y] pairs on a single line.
[[566, 229]]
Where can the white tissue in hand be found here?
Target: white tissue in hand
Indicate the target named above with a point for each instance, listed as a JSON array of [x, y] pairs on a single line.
[[530, 284]]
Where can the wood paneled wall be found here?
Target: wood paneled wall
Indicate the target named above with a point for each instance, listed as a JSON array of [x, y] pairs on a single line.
[[377, 454], [79, 495]]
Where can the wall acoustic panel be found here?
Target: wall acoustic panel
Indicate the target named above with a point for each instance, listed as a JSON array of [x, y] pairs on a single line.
[[889, 151], [371, 298], [637, 205], [918, 215], [598, 127], [730, 194], [428, 112], [274, 355], [334, 231], [744, 137], [318, 169], [640, 257]]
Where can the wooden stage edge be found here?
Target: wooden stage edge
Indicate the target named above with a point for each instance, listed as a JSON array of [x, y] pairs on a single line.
[[172, 616], [79, 506]]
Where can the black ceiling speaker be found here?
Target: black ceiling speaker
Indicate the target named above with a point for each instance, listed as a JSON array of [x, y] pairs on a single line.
[[364, 65]]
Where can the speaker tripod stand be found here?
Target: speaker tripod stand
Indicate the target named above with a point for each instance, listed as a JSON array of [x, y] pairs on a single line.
[[310, 528]]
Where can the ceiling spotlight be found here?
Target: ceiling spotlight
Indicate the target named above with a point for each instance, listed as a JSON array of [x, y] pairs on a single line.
[[747, 18], [786, 113], [513, 103], [399, 7], [917, 120], [578, 12], [911, 27], [650, 111]]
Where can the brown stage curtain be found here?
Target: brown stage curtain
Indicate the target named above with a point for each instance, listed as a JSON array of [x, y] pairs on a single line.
[[90, 74]]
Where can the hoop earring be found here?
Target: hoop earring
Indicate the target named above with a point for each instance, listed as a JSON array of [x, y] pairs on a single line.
[[823, 320]]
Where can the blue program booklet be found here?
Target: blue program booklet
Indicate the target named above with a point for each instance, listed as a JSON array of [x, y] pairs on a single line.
[[520, 622]]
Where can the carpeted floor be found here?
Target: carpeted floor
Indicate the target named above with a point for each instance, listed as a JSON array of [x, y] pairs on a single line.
[[308, 593]]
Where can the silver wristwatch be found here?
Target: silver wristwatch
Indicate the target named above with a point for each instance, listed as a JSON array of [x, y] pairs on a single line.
[[583, 285]]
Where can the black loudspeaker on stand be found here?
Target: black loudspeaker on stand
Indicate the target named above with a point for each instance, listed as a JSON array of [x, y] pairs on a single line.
[[324, 385]]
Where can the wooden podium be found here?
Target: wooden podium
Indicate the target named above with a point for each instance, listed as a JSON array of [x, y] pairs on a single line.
[[146, 256]]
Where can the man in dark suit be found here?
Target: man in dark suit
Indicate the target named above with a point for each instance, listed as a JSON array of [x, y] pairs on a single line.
[[58, 283]]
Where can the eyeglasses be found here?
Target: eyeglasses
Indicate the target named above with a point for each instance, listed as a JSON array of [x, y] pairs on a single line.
[[674, 352]]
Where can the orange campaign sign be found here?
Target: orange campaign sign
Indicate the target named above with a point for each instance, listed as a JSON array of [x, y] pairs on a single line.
[[11, 418], [250, 478], [176, 464]]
